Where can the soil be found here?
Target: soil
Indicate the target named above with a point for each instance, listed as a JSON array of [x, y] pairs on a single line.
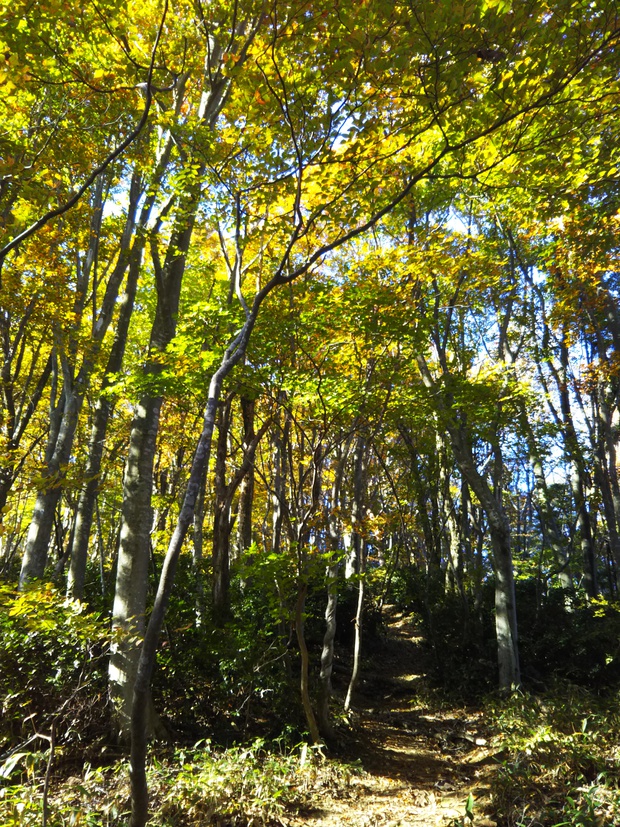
[[420, 761]]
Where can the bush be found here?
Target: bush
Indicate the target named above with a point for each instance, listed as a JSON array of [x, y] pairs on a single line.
[[581, 646], [238, 668], [460, 636], [53, 668], [564, 759]]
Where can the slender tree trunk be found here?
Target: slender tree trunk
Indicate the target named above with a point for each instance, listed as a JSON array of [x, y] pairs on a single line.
[[424, 498], [246, 491], [604, 474], [588, 551], [103, 411], [87, 500], [221, 518], [327, 652], [18, 411], [606, 431], [612, 442], [134, 547], [197, 557], [42, 522], [148, 651], [549, 525], [499, 527], [278, 496], [465, 530], [577, 479], [478, 572], [133, 561], [75, 383], [88, 495], [358, 511], [451, 526], [133, 557], [305, 664], [147, 654], [300, 539], [224, 494], [359, 616]]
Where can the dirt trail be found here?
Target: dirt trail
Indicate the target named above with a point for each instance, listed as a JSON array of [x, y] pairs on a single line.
[[420, 764]]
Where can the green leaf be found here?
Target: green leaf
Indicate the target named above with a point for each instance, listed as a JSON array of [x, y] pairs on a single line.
[[469, 807]]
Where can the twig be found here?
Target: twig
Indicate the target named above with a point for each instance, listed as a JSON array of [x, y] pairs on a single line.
[[48, 772]]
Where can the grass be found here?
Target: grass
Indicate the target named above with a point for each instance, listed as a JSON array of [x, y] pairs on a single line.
[[240, 786], [560, 767], [563, 760]]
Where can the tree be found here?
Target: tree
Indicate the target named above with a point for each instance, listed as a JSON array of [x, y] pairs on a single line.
[[281, 141], [300, 225], [31, 185]]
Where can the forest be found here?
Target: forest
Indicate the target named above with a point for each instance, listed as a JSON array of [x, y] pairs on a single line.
[[310, 413]]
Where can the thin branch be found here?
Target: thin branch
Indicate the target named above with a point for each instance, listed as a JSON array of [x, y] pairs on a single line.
[[72, 201]]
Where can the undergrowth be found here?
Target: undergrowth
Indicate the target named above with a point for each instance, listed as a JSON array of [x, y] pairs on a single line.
[[240, 786], [563, 759]]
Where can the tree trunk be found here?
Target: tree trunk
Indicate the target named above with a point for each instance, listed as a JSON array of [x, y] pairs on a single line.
[[313, 729], [103, 411], [606, 478], [327, 652], [577, 479], [425, 496], [246, 491], [19, 406], [148, 652], [137, 516], [221, 518], [75, 383], [278, 495], [450, 533], [41, 526], [359, 614], [130, 600], [197, 556], [358, 512], [130, 604], [499, 527], [551, 531], [133, 562]]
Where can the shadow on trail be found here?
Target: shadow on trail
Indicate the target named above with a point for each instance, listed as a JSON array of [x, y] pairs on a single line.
[[422, 758]]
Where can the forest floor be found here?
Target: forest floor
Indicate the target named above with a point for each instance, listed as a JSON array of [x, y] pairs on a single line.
[[420, 760], [406, 757]]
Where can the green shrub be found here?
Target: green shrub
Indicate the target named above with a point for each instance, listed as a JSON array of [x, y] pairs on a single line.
[[563, 759], [52, 653], [239, 669], [459, 635]]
